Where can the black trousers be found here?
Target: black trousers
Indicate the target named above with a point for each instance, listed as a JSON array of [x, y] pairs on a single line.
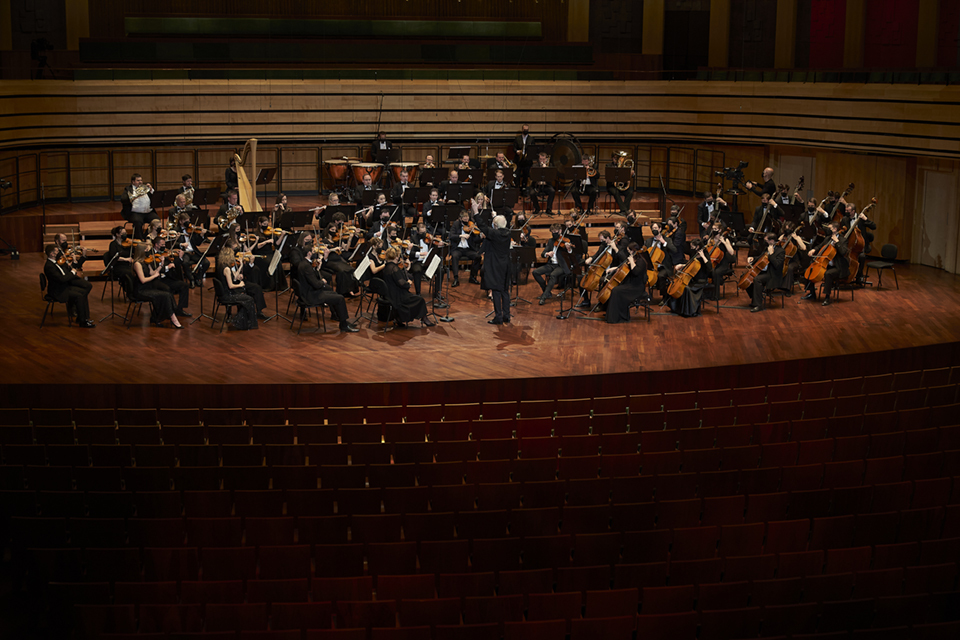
[[140, 219], [622, 198], [758, 287], [470, 254], [501, 305], [553, 273], [78, 293], [542, 192], [591, 192]]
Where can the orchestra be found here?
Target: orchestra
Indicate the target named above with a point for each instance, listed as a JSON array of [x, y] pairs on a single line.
[[789, 240]]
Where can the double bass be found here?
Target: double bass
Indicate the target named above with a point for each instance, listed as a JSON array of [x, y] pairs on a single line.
[[857, 243]]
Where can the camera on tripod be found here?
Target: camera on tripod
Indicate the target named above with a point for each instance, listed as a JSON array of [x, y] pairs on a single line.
[[733, 174]]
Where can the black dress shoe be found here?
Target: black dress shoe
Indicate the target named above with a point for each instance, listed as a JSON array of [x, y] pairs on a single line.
[[260, 316], [755, 309], [583, 305], [494, 321], [349, 329], [184, 314], [455, 283], [86, 324], [193, 284], [826, 302], [543, 301], [177, 326], [506, 319], [809, 296], [474, 280], [428, 323]]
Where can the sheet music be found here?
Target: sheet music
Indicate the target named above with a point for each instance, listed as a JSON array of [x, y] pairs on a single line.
[[362, 267], [432, 267]]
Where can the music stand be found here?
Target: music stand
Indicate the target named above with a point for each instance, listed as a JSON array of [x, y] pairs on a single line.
[[433, 176], [573, 259], [522, 255], [547, 175], [470, 176], [326, 216], [276, 262], [438, 215], [162, 199], [264, 177], [459, 192], [369, 198], [205, 197], [108, 270], [443, 215], [504, 198], [386, 156], [214, 247], [455, 153]]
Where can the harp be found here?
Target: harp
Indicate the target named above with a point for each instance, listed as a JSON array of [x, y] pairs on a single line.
[[248, 190]]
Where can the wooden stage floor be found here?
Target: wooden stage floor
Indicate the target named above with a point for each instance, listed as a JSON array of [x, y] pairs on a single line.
[[925, 311]]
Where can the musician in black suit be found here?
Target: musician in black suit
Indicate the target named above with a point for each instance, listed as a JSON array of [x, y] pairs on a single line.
[[380, 144], [557, 264], [63, 285], [768, 187], [230, 175], [135, 204], [837, 270], [466, 162], [708, 209], [428, 207], [587, 187], [607, 246], [315, 290], [499, 162], [452, 178], [496, 185], [666, 245], [522, 145], [496, 268], [174, 276], [542, 190], [866, 227], [464, 244], [366, 185], [764, 216], [233, 196], [396, 193], [623, 197], [771, 276]]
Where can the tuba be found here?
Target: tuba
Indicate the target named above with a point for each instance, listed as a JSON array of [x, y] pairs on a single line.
[[231, 214], [622, 162]]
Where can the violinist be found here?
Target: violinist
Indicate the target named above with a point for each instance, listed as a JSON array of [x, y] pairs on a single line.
[[299, 251], [798, 259], [633, 286], [769, 187], [396, 193], [556, 266], [249, 273], [676, 228], [173, 277], [188, 240], [607, 245], [866, 227], [526, 236], [136, 207], [688, 304], [124, 262], [314, 289], [542, 190], [586, 187], [375, 249], [154, 230], [233, 290], [63, 285], [573, 230], [464, 243], [146, 284], [336, 264], [496, 185], [265, 247], [838, 269], [620, 236], [771, 276], [419, 250], [408, 306], [379, 218], [76, 256], [708, 210]]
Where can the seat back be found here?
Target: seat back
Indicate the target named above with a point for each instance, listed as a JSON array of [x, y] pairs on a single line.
[[889, 252], [379, 287], [43, 284]]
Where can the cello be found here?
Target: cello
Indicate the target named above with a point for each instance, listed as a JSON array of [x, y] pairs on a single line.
[[825, 254], [591, 280], [857, 243], [715, 247], [619, 275], [683, 277]]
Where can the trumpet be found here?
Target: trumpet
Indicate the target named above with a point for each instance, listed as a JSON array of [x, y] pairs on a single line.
[[622, 162]]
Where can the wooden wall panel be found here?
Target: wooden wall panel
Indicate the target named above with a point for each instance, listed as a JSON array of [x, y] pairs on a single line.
[[8, 171], [300, 169], [90, 175], [172, 164], [55, 174], [27, 165]]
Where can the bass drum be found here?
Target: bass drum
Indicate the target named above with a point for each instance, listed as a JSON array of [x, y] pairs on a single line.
[[566, 154]]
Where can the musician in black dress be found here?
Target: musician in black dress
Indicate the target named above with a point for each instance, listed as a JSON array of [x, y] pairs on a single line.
[[587, 187], [146, 284], [314, 289], [522, 145], [724, 268], [266, 246], [708, 210], [233, 291], [173, 277], [633, 286], [135, 204], [419, 251], [250, 273], [464, 243], [771, 276], [230, 176], [688, 304], [63, 285], [407, 306], [558, 254], [124, 261], [837, 269]]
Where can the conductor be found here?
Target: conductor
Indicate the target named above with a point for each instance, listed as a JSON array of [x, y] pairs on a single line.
[[497, 268]]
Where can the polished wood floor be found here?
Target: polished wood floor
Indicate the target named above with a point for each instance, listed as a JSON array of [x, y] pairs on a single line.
[[925, 311]]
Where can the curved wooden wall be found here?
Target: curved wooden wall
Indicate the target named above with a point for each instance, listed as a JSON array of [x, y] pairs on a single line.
[[892, 119]]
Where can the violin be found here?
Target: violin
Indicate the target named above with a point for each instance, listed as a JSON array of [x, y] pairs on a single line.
[[157, 257], [471, 227], [243, 257], [273, 231], [130, 242]]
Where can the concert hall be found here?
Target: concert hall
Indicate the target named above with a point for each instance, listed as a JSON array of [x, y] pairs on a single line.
[[374, 251]]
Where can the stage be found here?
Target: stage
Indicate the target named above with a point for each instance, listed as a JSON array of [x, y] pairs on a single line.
[[536, 345]]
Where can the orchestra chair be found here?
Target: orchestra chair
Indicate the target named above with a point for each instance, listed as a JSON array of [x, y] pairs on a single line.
[[134, 302], [50, 300], [888, 255], [769, 294], [643, 303], [303, 307], [379, 288], [218, 302]]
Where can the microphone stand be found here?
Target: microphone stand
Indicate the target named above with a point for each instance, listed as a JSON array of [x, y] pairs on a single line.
[[108, 271]]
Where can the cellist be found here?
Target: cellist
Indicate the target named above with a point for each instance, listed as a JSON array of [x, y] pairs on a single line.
[[666, 245], [633, 286], [607, 244], [838, 268], [722, 242], [799, 258], [688, 304], [771, 276]]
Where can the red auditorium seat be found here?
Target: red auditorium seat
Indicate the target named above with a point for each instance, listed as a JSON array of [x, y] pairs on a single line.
[[741, 540], [588, 491], [597, 549], [888, 556], [611, 604], [694, 543], [586, 519], [534, 495], [495, 554], [878, 583], [675, 599], [546, 552], [434, 611], [726, 595], [799, 563], [583, 578], [846, 560], [695, 571], [236, 617], [614, 628], [391, 558], [301, 615], [535, 630], [832, 532], [676, 486], [419, 587], [336, 589], [782, 591], [668, 626], [749, 567], [700, 460], [495, 610], [632, 489], [444, 555], [284, 562], [271, 591], [645, 546], [535, 522], [637, 576], [724, 624], [525, 582], [170, 618], [366, 614], [554, 606], [678, 513], [145, 592], [339, 560], [429, 526], [827, 587], [719, 483], [789, 619]]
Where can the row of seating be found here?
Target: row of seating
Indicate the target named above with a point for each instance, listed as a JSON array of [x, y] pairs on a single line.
[[779, 445], [610, 617], [671, 506], [848, 415]]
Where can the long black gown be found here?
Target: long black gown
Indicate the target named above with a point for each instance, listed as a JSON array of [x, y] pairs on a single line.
[[159, 295], [632, 287], [246, 315], [408, 306], [688, 304]]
